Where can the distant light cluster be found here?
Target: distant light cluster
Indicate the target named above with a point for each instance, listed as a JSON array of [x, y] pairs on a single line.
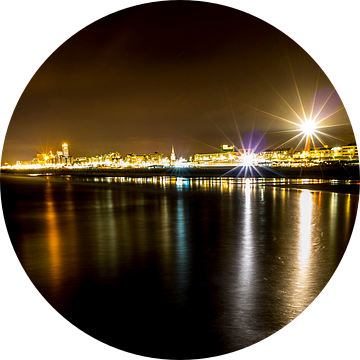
[[227, 156]]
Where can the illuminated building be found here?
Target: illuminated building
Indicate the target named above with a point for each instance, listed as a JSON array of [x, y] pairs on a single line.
[[156, 158], [227, 148], [66, 153], [350, 152], [135, 160], [276, 157], [345, 153], [80, 161], [336, 153], [50, 158], [65, 150], [320, 154], [40, 159], [224, 157], [59, 157]]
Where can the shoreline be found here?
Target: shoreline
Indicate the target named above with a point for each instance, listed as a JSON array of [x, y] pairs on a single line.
[[314, 172], [334, 184], [352, 189]]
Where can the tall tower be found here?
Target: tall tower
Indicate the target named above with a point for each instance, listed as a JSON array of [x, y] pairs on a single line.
[[65, 152], [172, 156]]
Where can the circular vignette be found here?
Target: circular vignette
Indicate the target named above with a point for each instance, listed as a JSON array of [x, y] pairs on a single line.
[[328, 35]]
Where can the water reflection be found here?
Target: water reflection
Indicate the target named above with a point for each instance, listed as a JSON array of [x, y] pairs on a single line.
[[333, 212], [165, 232], [211, 264], [247, 240], [112, 228], [53, 238], [247, 249], [306, 205], [182, 249]]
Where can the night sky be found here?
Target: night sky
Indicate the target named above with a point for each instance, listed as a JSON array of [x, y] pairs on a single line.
[[187, 74]]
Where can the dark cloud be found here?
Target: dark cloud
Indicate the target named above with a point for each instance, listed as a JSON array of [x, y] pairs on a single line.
[[187, 74]]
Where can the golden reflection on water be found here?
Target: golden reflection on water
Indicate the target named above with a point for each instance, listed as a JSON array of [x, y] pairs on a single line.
[[112, 228], [165, 231], [53, 239], [55, 220], [253, 257], [333, 215]]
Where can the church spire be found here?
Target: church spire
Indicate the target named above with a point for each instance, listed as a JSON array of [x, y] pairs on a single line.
[[172, 156]]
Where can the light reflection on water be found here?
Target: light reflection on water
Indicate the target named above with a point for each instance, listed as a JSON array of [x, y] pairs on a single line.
[[50, 222], [212, 264], [306, 216]]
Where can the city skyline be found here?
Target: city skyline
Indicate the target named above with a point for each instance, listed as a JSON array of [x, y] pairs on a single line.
[[123, 83], [225, 154]]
